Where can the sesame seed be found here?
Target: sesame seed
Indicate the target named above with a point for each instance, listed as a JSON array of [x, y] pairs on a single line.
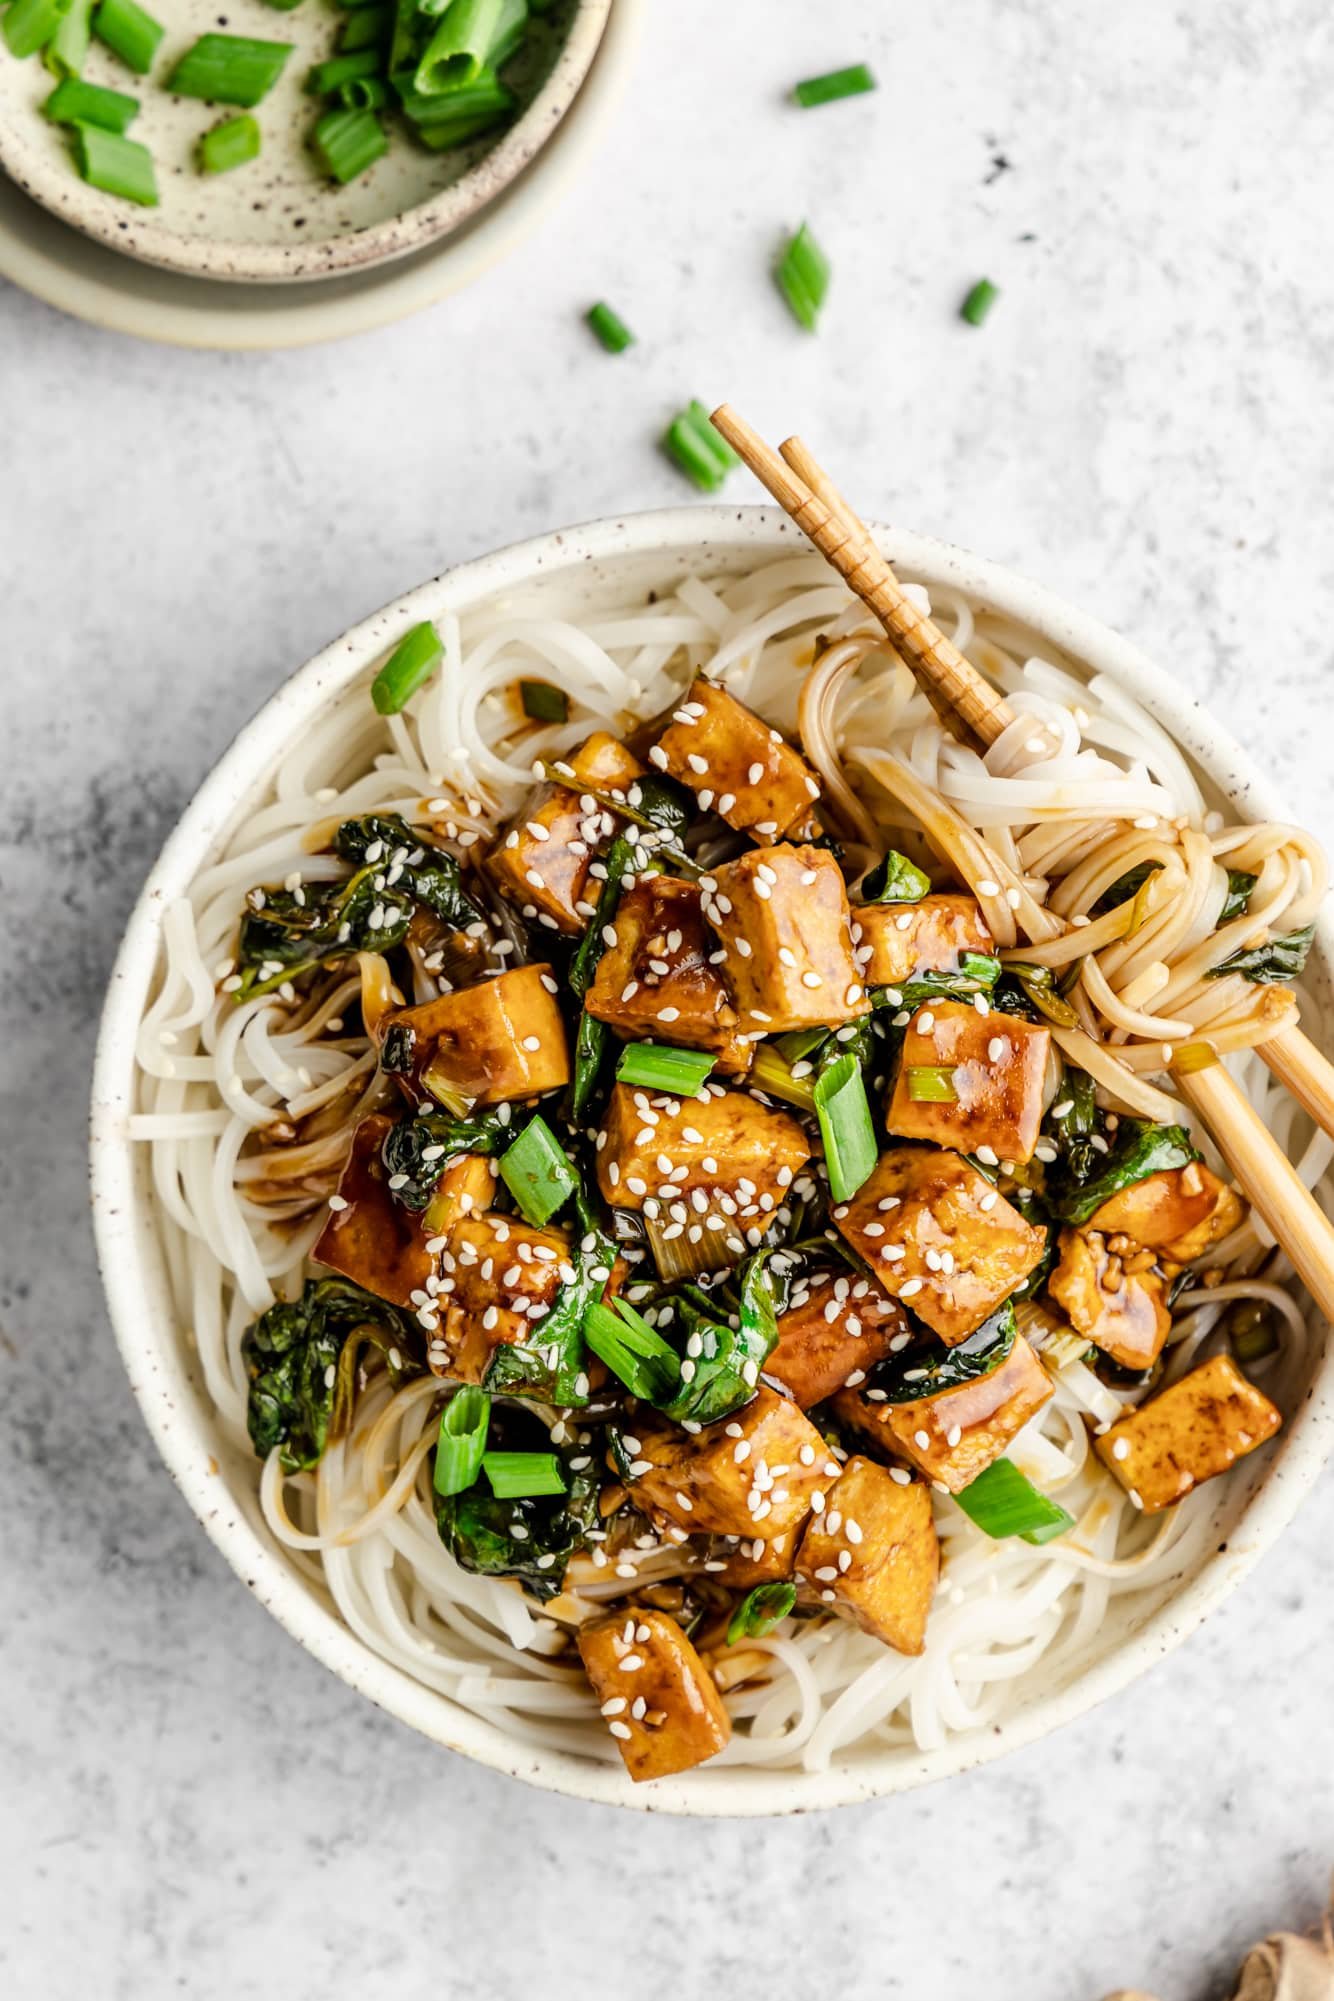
[[921, 1440], [912, 1288], [337, 1202], [986, 887], [996, 1048], [1121, 1449]]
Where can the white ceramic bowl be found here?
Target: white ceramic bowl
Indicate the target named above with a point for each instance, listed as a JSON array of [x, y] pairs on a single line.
[[275, 220], [1251, 1508]]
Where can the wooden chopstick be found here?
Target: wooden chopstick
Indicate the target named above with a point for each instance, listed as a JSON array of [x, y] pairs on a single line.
[[805, 492]]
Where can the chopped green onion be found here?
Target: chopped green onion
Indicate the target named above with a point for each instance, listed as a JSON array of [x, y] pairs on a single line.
[[117, 165], [456, 116], [230, 145], [659, 1068], [129, 32], [282, 6], [932, 1084], [543, 703], [418, 653], [509, 32], [364, 29], [834, 84], [702, 453], [520, 1476], [326, 77], [537, 1172], [771, 1073], [760, 1611], [464, 1423], [67, 51], [228, 69], [1002, 1501], [635, 1352], [75, 102], [28, 25], [979, 302], [363, 93], [802, 276], [458, 51], [347, 142], [1038, 986], [610, 329], [845, 1126]]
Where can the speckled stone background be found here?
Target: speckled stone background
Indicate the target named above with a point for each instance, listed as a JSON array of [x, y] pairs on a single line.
[[188, 1804]]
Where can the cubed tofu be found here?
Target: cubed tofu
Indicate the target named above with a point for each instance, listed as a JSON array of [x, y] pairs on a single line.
[[657, 1148], [745, 1476], [874, 1553], [835, 1326], [997, 1065], [1118, 1303], [465, 1187], [898, 942], [939, 1237], [658, 1698], [955, 1435], [1199, 1427], [656, 981], [746, 1561], [501, 1278], [502, 1039], [542, 861], [735, 764], [1179, 1212], [782, 915], [369, 1237]]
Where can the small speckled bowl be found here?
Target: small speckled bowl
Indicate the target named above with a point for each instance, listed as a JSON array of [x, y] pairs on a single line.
[[276, 219], [602, 561]]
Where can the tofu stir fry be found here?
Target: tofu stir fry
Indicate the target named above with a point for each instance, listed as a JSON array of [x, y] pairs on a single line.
[[735, 1208]]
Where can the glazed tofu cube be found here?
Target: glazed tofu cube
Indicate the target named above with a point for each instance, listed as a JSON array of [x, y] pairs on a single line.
[[874, 1553], [782, 915], [746, 1561], [542, 861], [833, 1328], [1198, 1428], [464, 1189], [1117, 1302], [898, 942], [997, 1065], [955, 1435], [658, 1698], [655, 979], [501, 1278], [735, 764], [752, 1475], [940, 1238], [1179, 1212], [660, 1149], [369, 1237], [502, 1039]]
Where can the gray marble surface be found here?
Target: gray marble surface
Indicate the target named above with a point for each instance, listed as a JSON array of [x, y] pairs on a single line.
[[190, 1805]]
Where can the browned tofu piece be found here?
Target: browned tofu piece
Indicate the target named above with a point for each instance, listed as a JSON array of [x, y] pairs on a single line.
[[502, 1039], [874, 1552], [656, 981], [997, 1065], [939, 1237], [782, 915], [369, 1237], [954, 1435], [465, 1188], [837, 1325], [1196, 1429], [542, 860], [745, 1476], [1180, 1212], [1118, 1303], [735, 764], [657, 1696], [658, 1148], [500, 1278], [746, 1561], [898, 942]]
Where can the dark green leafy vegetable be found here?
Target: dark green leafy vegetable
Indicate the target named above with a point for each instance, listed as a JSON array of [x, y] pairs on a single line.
[[1275, 964], [1074, 1134], [1041, 989], [895, 880], [478, 1530], [1124, 888], [543, 703], [1240, 883], [300, 1357], [925, 1372], [1002, 1501], [551, 1364], [287, 932], [591, 1036], [1033, 1210], [412, 1137], [760, 1611], [720, 1370], [1138, 1149]]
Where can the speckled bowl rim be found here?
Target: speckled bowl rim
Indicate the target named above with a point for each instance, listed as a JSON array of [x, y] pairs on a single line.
[[231, 261], [156, 1357]]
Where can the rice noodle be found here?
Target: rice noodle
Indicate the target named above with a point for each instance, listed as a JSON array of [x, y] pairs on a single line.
[[248, 1111]]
